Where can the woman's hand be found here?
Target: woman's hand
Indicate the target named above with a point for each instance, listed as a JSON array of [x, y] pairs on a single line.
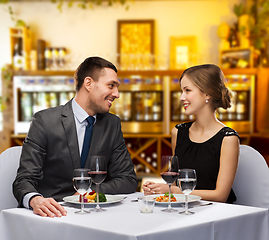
[[154, 188]]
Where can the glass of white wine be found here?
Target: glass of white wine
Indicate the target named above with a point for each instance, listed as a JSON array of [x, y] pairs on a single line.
[[82, 183], [187, 183]]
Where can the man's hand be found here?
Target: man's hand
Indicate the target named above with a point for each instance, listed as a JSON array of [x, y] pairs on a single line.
[[47, 207]]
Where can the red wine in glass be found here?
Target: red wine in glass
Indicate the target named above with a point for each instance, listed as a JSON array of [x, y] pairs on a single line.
[[169, 173], [169, 177], [97, 177], [98, 171]]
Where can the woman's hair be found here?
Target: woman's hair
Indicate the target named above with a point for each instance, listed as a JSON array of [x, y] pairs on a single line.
[[210, 80], [91, 67]]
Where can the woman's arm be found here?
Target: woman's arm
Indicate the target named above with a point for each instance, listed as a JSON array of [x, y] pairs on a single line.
[[174, 139], [159, 188], [228, 166]]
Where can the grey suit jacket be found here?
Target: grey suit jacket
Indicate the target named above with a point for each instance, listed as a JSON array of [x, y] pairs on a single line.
[[50, 154]]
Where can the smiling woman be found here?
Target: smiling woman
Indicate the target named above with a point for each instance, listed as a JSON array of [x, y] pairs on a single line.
[[206, 145]]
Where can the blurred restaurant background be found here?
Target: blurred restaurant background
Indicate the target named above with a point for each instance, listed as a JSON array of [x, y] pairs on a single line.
[[151, 43]]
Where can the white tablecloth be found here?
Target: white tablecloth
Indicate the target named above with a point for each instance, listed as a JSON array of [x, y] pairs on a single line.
[[124, 221]]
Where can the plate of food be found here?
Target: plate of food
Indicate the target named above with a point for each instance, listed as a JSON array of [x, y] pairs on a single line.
[[90, 199], [162, 199]]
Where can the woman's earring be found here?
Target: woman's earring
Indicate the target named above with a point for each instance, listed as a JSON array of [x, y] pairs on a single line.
[[206, 101]]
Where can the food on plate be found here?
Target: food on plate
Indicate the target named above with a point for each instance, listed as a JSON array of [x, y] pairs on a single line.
[[165, 198], [102, 198], [91, 197]]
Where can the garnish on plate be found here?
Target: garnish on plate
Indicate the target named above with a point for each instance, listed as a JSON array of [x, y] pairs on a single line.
[[91, 197], [165, 198]]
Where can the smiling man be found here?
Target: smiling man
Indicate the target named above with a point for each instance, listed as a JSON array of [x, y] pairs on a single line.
[[54, 143]]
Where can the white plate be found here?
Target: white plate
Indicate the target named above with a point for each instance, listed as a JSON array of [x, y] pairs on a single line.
[[180, 199], [110, 199]]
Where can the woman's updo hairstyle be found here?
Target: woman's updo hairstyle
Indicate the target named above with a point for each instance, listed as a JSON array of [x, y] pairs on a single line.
[[210, 80]]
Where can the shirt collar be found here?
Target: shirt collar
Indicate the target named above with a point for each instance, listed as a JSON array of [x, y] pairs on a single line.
[[80, 113]]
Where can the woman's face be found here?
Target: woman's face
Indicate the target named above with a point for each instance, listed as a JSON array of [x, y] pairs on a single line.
[[192, 98]]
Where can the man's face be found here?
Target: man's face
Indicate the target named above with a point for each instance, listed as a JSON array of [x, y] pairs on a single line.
[[104, 91]]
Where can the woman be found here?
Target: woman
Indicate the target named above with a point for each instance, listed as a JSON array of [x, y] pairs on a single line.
[[206, 144]]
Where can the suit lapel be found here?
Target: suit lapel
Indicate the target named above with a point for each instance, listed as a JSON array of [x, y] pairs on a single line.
[[69, 125]]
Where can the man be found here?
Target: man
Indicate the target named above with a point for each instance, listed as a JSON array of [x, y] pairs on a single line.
[[52, 148]]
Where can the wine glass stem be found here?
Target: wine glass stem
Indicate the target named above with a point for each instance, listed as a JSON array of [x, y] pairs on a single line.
[[82, 203], [169, 202], [186, 203], [97, 192]]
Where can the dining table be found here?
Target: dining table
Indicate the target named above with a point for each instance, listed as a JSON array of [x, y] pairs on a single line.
[[122, 220]]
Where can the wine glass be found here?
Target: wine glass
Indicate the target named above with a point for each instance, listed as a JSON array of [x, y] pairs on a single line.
[[81, 182], [98, 174], [169, 173], [187, 182]]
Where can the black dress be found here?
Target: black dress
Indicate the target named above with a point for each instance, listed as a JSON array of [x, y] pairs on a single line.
[[203, 157]]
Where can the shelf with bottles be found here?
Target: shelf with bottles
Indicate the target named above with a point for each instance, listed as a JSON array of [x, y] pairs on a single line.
[[239, 116], [243, 103], [146, 151], [140, 106], [35, 93], [32, 102], [20, 47]]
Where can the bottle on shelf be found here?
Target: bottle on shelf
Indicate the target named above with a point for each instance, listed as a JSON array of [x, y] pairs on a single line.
[[33, 60], [18, 58], [48, 58], [71, 95], [191, 117], [35, 102], [62, 54], [127, 106], [63, 98], [233, 38], [241, 106], [222, 114], [175, 106], [139, 114], [157, 107], [148, 106], [53, 99], [55, 59], [26, 106], [116, 108], [40, 54], [41, 101], [231, 112]]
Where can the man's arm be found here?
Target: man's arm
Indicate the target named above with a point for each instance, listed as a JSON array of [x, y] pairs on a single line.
[[30, 172]]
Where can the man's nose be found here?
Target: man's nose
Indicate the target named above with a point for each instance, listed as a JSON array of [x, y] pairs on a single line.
[[116, 93]]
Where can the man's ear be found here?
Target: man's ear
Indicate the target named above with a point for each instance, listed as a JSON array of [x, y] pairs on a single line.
[[88, 81]]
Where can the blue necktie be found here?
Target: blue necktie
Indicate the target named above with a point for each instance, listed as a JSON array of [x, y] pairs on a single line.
[[87, 141]]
